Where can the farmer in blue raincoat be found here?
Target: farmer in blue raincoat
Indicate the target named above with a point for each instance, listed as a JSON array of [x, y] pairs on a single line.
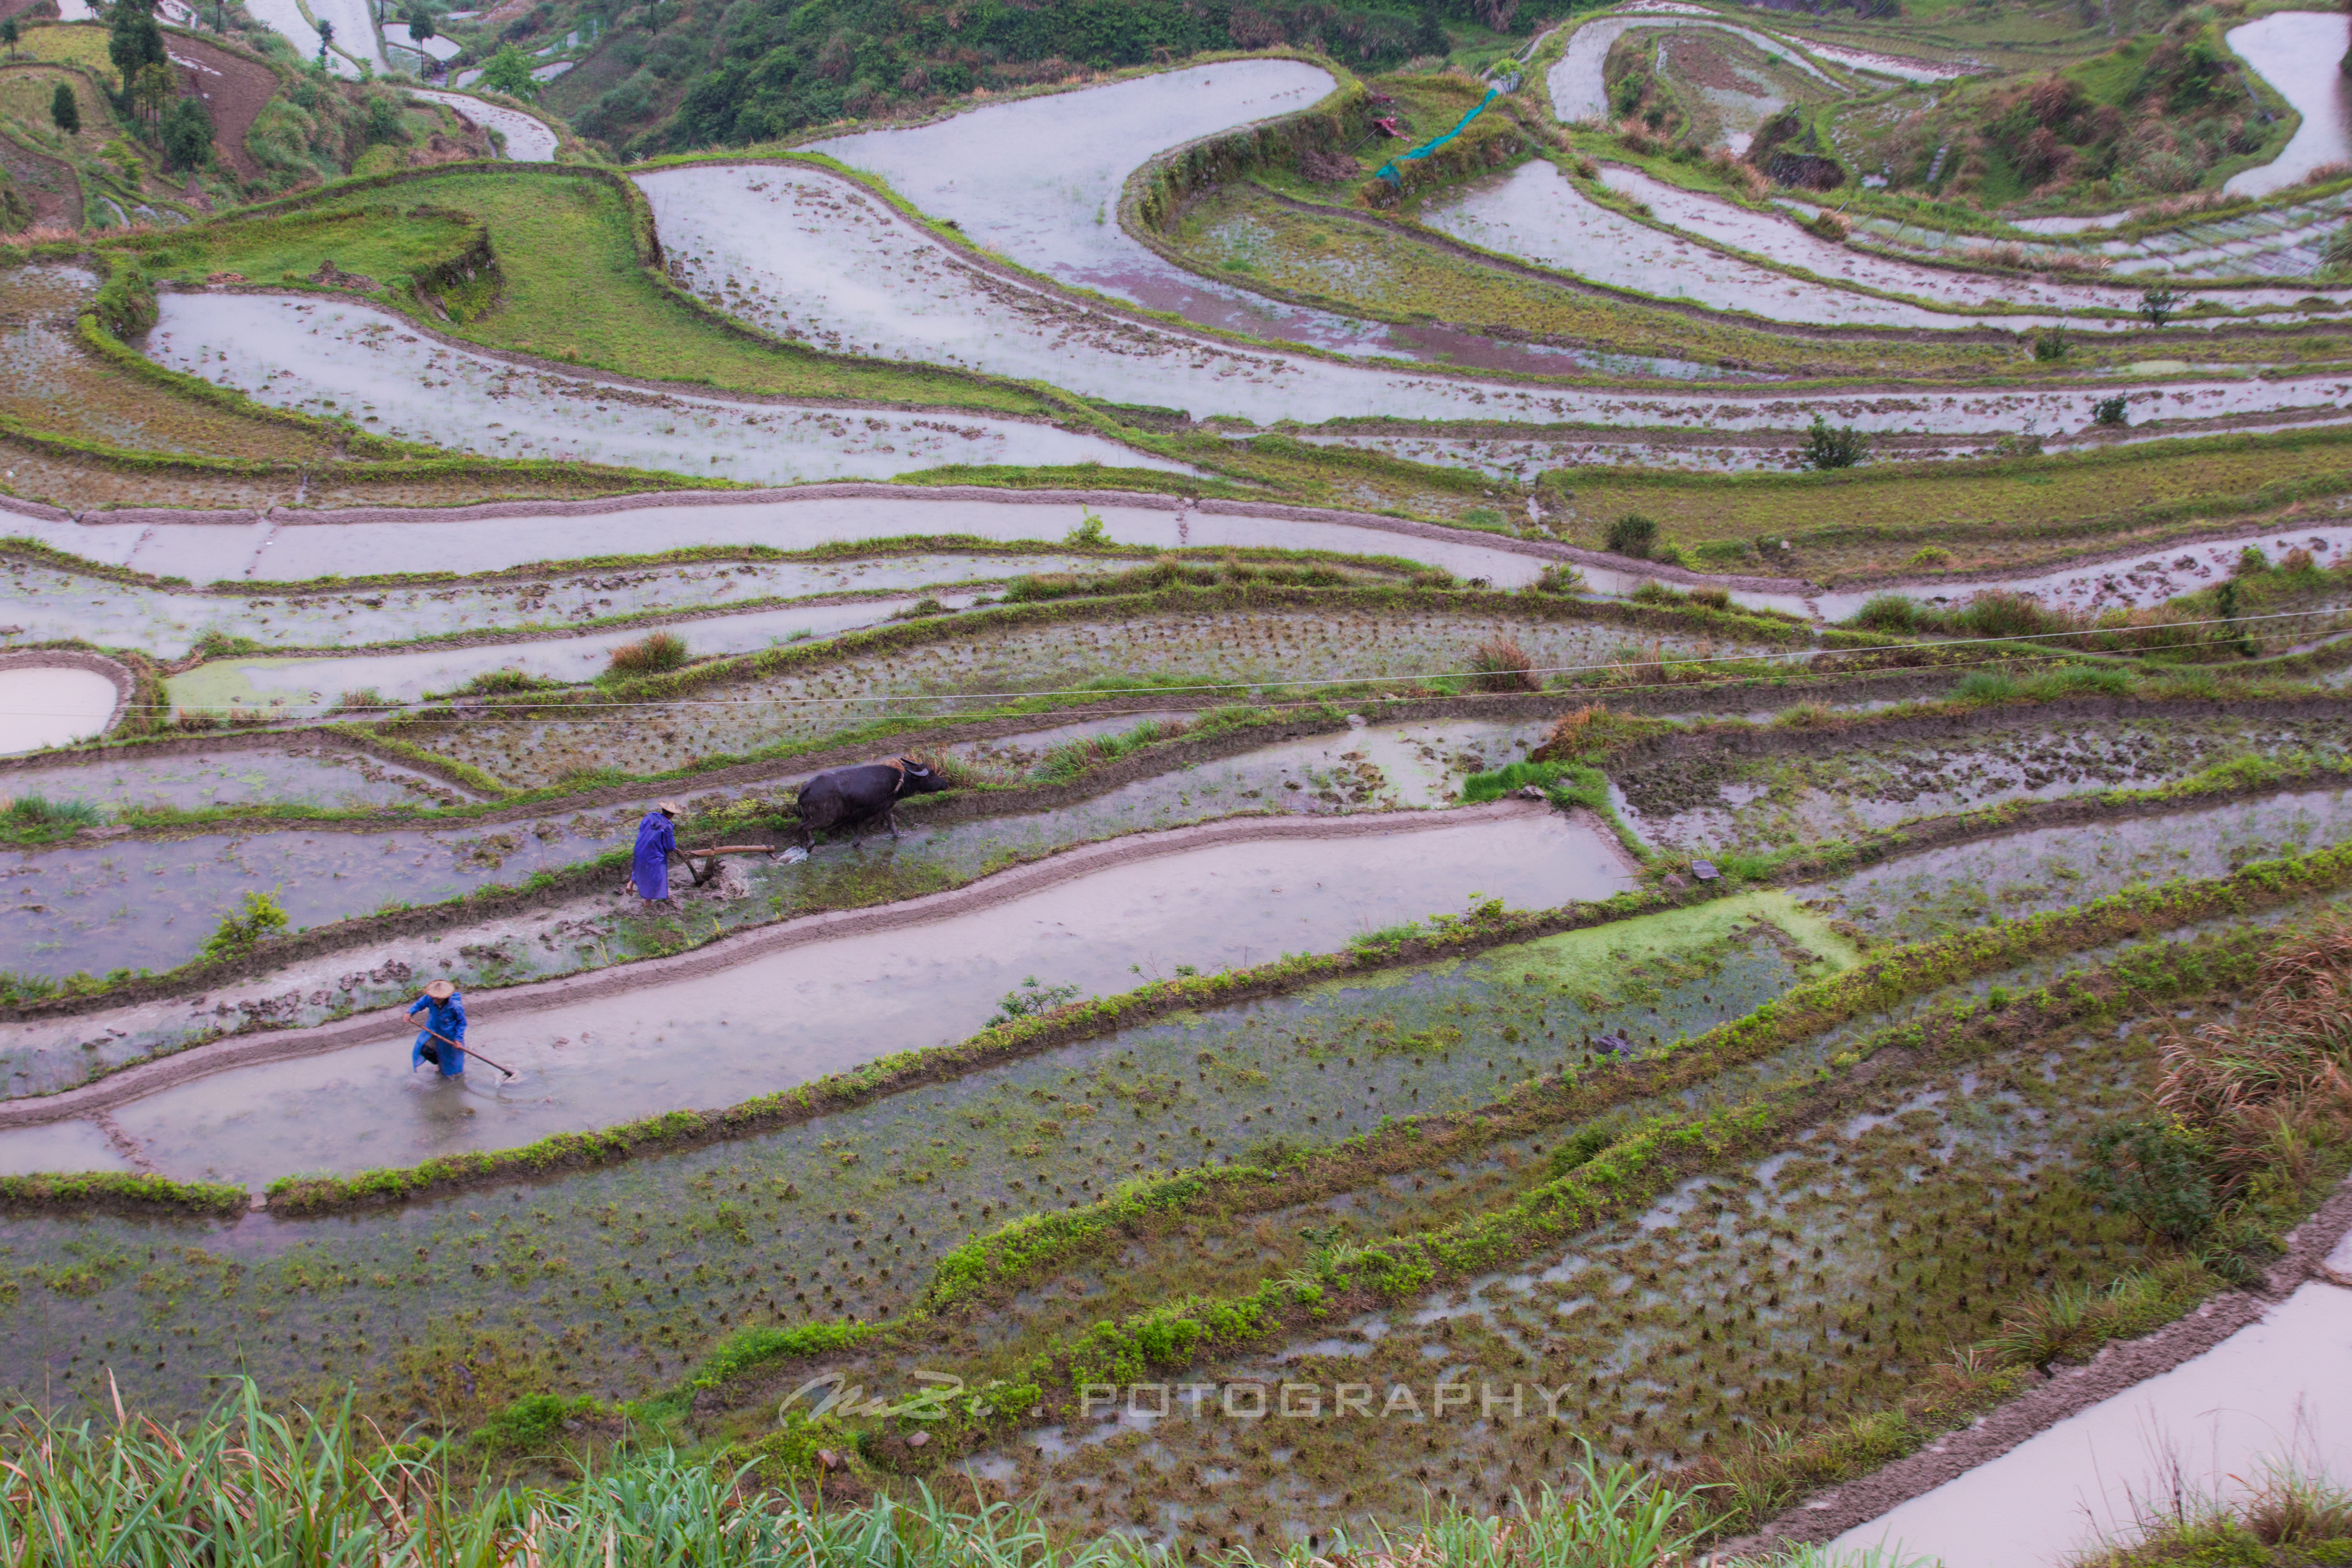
[[657, 842], [445, 1015]]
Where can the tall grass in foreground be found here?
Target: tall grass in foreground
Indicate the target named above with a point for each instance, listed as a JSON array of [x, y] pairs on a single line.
[[244, 1487], [2286, 1515]]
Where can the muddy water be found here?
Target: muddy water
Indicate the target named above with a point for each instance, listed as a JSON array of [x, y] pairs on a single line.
[[49, 706], [45, 603], [813, 257], [59, 1146], [1754, 806], [1776, 236], [295, 772], [1942, 890], [2162, 574], [1780, 1291], [1575, 82], [1214, 655], [311, 687], [285, 548], [2298, 53], [1901, 65], [1537, 213], [151, 903], [2228, 1417], [1059, 216], [782, 1019], [359, 363], [529, 141], [877, 1193]]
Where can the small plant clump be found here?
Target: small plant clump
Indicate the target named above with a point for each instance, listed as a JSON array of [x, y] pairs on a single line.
[[1500, 663], [1827, 448], [1633, 534], [649, 655], [258, 916]]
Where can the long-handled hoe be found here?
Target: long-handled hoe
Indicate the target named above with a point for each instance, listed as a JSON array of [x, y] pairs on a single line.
[[470, 1051]]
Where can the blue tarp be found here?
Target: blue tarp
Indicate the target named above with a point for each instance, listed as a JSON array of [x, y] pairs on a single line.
[[1389, 169]]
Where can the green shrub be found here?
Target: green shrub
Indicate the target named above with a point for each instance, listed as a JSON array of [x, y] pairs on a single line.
[[2110, 410], [185, 128], [1826, 449], [1632, 534], [258, 917], [2049, 343], [1888, 613], [2156, 1171], [1091, 529]]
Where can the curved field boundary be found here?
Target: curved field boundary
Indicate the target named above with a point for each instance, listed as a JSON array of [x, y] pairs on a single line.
[[1879, 981], [2265, 881], [125, 681], [2115, 1370], [1633, 1170], [147, 1079]]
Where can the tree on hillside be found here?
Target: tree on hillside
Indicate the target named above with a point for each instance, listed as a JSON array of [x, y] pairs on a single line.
[[420, 24], [509, 72], [188, 133], [64, 111], [154, 88], [326, 37], [9, 33], [133, 42]]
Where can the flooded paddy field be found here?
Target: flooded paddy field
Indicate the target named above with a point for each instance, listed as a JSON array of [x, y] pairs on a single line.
[[47, 603], [44, 705], [1772, 1291], [1537, 213], [1230, 651], [1798, 795], [290, 548], [1782, 240], [312, 685], [847, 1214], [153, 902], [300, 770], [798, 1005], [376, 369], [1952, 889]]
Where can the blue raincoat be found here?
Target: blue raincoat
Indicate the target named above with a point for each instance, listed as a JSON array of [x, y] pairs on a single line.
[[657, 841], [446, 1018]]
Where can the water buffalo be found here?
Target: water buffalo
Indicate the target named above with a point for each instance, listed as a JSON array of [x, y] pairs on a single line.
[[857, 797]]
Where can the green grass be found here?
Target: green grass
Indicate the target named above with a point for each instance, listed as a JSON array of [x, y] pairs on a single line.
[[572, 289], [2002, 515]]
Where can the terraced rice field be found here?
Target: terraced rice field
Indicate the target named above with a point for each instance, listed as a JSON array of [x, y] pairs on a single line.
[[1637, 813]]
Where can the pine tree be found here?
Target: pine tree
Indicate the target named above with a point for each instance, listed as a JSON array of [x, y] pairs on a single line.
[[64, 111]]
